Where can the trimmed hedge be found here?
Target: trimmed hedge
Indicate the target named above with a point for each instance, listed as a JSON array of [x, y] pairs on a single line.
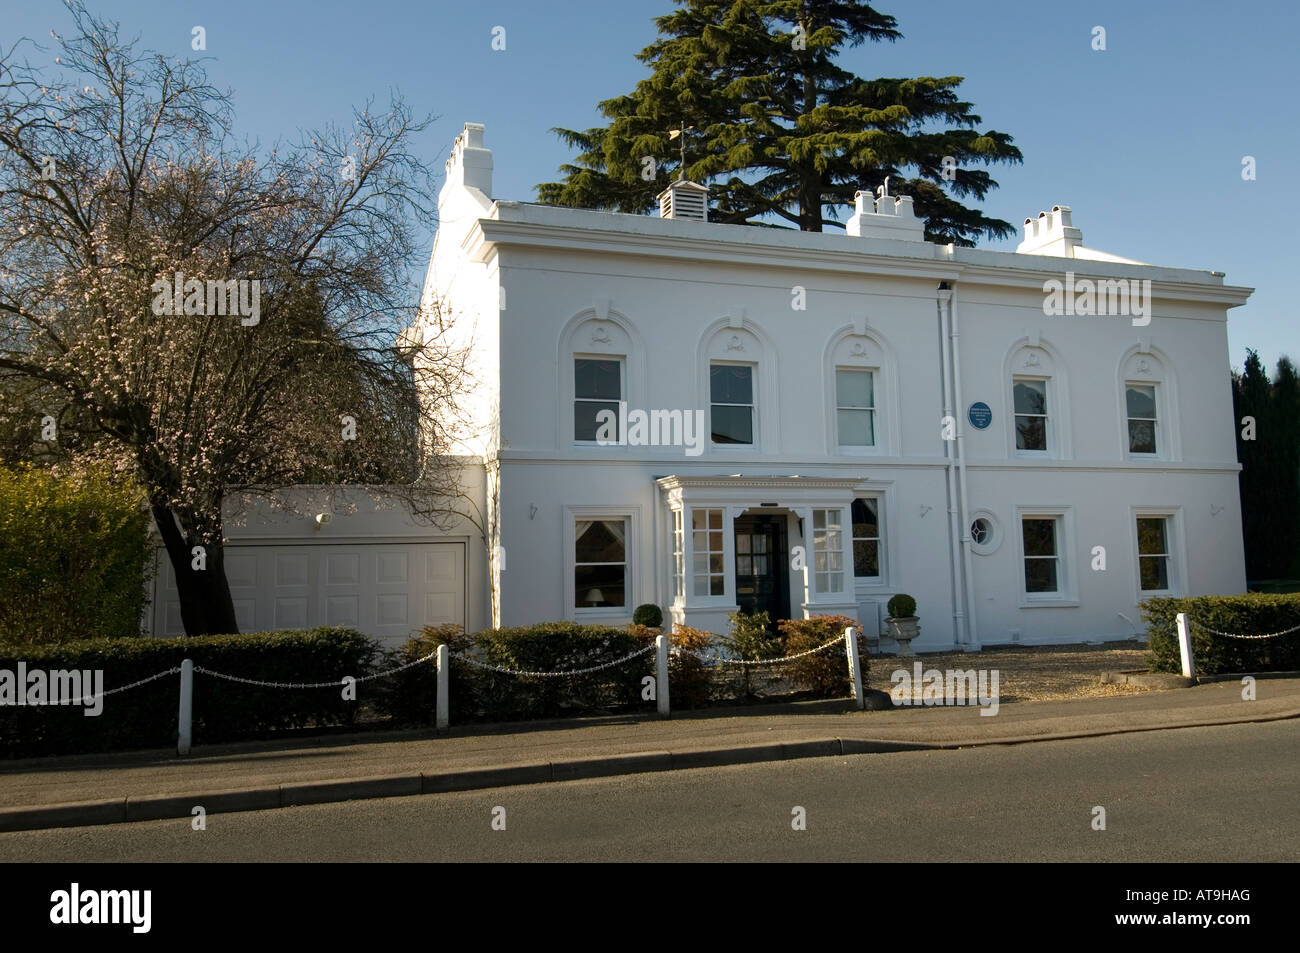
[[73, 556], [478, 693], [145, 716], [1251, 614]]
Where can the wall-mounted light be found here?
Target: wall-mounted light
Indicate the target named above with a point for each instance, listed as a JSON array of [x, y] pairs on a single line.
[[323, 520], [532, 510]]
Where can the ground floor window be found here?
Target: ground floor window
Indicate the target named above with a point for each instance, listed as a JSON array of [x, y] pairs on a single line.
[[707, 545], [1042, 554], [866, 537], [600, 563], [828, 550], [1153, 553], [679, 566]]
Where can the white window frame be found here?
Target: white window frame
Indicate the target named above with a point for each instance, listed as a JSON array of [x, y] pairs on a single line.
[[1049, 426], [1174, 544], [830, 554], [621, 360], [1161, 440], [631, 553], [754, 429], [709, 574], [881, 529], [991, 545], [1067, 593], [873, 410], [678, 570]]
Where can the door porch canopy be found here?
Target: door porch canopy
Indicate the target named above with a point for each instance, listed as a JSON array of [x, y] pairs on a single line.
[[821, 577]]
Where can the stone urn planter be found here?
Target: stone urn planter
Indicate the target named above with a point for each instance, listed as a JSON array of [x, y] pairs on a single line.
[[903, 631], [903, 624]]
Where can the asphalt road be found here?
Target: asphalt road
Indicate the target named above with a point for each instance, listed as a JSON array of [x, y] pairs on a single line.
[[1227, 793]]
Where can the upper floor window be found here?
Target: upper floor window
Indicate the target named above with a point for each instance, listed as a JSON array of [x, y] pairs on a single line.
[[1037, 401], [855, 407], [1147, 391], [597, 387], [1140, 400], [866, 537], [731, 403], [1031, 414]]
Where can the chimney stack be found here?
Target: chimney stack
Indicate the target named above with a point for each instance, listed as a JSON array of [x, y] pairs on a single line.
[[1051, 233], [889, 216]]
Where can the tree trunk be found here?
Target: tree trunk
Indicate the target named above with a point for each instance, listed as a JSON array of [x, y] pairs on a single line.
[[206, 606], [810, 192]]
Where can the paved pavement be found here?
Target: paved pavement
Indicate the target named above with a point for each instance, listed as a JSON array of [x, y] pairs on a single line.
[[87, 790]]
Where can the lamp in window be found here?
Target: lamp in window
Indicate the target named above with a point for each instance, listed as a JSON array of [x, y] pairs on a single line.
[[594, 597]]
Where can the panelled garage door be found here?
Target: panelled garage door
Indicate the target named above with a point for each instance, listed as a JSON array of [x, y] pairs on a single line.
[[388, 591]]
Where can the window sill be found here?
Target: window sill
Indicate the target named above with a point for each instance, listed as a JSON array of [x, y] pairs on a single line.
[[1063, 603]]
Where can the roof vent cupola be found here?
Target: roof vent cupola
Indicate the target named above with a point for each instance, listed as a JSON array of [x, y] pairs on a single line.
[[685, 200]]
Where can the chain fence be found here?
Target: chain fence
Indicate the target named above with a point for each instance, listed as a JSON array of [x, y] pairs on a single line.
[[198, 669], [1234, 635], [718, 662], [486, 666]]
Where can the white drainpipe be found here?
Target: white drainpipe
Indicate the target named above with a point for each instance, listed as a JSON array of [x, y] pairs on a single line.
[[958, 616], [972, 623]]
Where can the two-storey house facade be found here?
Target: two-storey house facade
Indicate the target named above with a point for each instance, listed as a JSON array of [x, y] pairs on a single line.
[[715, 418]]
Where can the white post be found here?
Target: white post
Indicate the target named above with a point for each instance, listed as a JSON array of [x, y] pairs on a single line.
[[186, 719], [855, 670], [1185, 646], [443, 714], [661, 673]]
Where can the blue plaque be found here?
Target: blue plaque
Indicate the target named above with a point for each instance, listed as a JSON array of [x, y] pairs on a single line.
[[980, 415]]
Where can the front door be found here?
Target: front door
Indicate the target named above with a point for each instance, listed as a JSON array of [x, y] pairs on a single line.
[[762, 579]]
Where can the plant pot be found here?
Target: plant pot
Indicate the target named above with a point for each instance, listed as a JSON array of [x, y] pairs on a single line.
[[903, 631]]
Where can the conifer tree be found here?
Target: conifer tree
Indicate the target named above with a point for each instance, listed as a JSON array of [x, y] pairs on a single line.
[[778, 130]]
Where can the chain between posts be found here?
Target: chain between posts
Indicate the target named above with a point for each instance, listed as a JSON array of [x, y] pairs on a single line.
[[577, 671], [838, 640], [334, 684], [143, 681], [1232, 635]]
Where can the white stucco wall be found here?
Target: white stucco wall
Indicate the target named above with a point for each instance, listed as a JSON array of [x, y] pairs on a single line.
[[667, 295]]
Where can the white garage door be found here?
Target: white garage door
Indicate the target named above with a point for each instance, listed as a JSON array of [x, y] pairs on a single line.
[[388, 591]]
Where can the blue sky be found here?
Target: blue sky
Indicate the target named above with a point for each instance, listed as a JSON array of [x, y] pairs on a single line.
[[1144, 140]]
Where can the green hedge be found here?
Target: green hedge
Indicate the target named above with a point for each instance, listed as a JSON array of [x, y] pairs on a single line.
[[1251, 614], [74, 552], [477, 693], [145, 716]]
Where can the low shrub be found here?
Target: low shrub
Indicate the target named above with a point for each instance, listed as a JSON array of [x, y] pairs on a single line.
[[648, 614], [145, 716], [825, 673], [1251, 614], [690, 678], [751, 639], [901, 606]]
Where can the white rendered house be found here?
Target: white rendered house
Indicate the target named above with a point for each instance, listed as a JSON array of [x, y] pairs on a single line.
[[827, 371], [714, 417]]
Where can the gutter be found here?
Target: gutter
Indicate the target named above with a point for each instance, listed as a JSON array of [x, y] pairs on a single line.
[[972, 625], [943, 297]]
